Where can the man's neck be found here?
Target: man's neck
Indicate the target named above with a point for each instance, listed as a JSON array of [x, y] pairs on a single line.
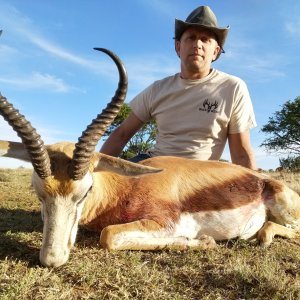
[[194, 76]]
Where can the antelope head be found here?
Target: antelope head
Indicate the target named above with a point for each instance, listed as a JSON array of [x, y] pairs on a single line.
[[63, 173]]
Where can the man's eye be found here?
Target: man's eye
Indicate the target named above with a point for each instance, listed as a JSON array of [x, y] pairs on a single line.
[[191, 38]]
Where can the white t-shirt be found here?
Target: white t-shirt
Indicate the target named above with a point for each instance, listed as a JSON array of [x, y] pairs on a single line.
[[194, 117]]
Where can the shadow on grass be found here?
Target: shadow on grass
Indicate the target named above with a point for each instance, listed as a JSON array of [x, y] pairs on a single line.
[[231, 285], [20, 220], [87, 238], [16, 222]]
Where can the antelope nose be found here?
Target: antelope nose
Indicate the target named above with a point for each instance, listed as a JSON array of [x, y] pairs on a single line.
[[53, 257]]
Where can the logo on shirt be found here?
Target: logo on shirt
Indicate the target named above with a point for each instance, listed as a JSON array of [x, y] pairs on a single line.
[[209, 107]]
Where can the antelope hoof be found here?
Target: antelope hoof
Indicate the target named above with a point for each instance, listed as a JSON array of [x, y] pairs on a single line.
[[207, 242], [264, 240]]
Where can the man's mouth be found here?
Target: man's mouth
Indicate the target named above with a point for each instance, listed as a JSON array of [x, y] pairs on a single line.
[[195, 55]]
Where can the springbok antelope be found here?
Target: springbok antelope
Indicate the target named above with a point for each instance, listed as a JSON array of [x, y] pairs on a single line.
[[162, 203]]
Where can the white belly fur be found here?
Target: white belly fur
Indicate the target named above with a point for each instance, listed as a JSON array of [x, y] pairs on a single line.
[[242, 222]]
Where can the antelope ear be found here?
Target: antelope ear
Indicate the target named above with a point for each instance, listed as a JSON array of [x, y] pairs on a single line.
[[120, 166], [14, 150]]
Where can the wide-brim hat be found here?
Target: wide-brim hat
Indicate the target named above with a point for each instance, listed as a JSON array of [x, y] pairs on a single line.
[[202, 17]]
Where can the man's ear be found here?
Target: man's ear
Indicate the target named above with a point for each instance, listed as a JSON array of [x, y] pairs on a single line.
[[177, 47], [216, 52]]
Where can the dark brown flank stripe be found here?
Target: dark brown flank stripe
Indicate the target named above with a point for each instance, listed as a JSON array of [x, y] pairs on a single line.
[[230, 194]]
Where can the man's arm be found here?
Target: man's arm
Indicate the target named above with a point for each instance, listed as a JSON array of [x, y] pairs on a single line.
[[240, 149], [121, 135]]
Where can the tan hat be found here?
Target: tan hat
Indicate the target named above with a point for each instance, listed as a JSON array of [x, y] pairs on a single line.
[[202, 17]]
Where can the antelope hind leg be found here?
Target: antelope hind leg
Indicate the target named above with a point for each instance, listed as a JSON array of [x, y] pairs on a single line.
[[270, 229], [147, 235]]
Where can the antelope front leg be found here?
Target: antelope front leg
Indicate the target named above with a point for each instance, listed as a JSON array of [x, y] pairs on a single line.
[[148, 235], [270, 229]]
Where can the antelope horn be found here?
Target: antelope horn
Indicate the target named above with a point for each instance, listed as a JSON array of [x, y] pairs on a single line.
[[30, 138], [90, 137]]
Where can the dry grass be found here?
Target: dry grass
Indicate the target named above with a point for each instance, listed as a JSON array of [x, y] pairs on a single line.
[[291, 179], [235, 270]]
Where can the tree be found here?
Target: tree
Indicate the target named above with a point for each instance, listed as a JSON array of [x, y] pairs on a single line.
[[290, 163], [284, 130], [142, 141]]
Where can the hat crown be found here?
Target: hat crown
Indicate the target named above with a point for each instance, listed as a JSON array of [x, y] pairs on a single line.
[[202, 15]]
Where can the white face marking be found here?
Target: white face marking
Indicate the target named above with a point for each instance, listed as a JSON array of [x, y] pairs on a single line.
[[61, 216]]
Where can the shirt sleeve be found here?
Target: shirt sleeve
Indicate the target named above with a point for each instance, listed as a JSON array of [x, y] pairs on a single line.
[[141, 105], [243, 117]]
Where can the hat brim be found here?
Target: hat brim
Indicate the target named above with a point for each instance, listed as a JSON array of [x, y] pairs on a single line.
[[221, 33]]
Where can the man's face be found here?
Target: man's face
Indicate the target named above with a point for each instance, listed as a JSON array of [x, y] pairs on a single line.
[[197, 48]]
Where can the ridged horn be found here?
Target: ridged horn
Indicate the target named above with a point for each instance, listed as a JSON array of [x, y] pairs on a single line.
[[87, 142], [30, 138]]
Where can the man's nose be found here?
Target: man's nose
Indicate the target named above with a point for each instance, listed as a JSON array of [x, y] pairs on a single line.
[[198, 43]]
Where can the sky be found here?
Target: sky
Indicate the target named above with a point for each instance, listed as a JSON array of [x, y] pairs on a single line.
[[52, 75]]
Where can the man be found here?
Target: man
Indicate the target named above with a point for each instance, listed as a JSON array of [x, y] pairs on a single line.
[[198, 109]]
